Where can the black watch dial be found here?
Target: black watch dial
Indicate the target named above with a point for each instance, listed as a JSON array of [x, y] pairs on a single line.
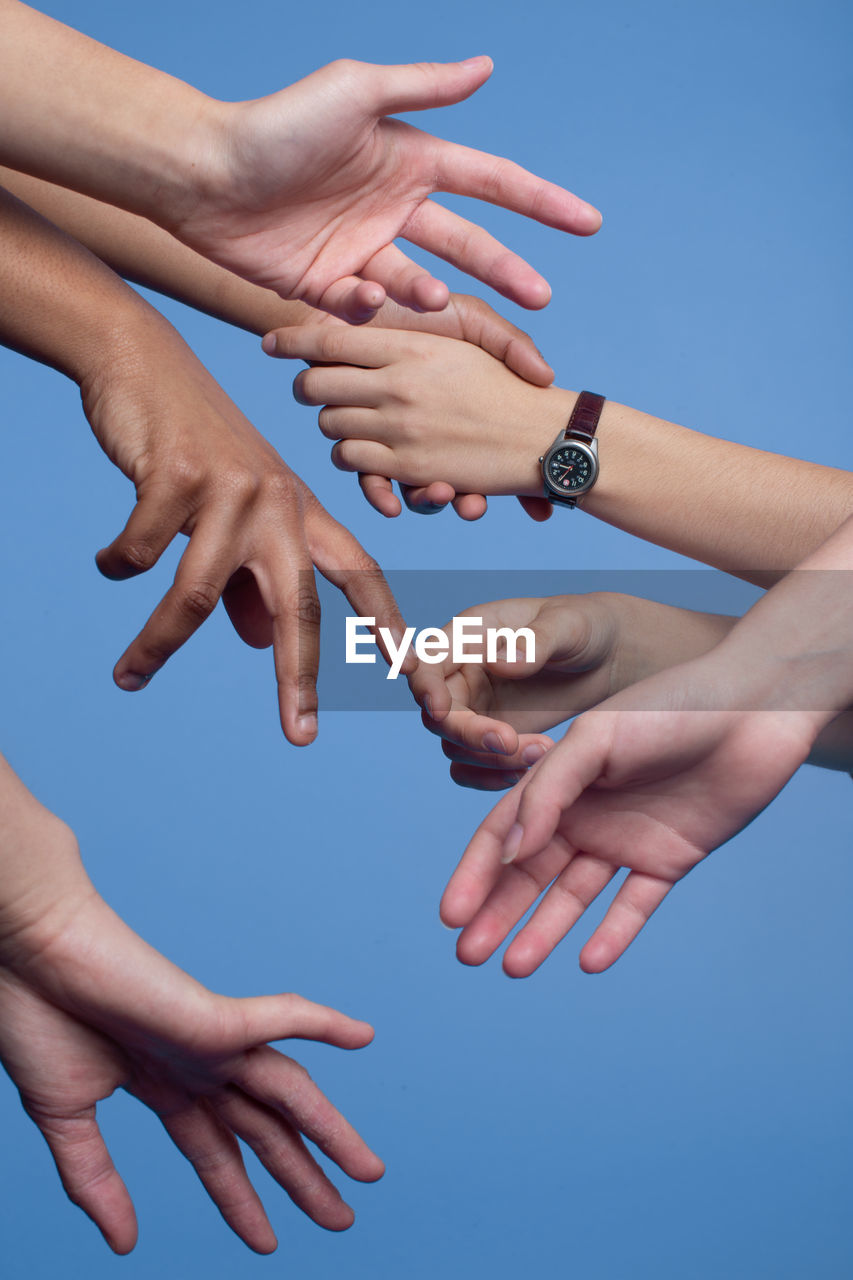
[[569, 469]]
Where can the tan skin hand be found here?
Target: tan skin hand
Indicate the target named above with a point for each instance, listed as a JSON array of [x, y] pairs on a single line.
[[256, 532], [87, 1007]]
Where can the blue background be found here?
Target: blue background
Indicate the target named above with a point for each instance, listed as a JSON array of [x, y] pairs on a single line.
[[686, 1114]]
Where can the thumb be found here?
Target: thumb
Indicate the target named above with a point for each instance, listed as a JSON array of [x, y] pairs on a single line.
[[417, 86]]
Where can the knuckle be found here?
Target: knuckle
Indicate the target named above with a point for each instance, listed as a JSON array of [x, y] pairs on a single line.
[[198, 599], [305, 608], [138, 556]]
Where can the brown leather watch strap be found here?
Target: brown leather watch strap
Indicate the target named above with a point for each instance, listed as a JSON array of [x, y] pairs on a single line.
[[585, 415]]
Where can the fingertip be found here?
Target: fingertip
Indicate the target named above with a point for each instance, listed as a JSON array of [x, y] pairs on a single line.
[[595, 957], [269, 343], [429, 294], [132, 681]]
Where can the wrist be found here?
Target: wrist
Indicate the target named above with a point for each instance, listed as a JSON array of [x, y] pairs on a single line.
[[551, 408], [44, 884]]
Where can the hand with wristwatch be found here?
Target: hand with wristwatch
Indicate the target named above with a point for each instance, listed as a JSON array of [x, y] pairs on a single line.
[[418, 407]]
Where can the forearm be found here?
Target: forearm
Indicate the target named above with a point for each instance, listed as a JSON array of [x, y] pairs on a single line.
[[793, 650], [751, 513], [40, 867], [655, 637], [58, 303], [77, 113], [140, 251]]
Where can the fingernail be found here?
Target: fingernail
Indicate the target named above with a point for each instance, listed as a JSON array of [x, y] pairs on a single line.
[[428, 508], [474, 62], [428, 706], [269, 344], [494, 742], [307, 723], [533, 753], [132, 681], [512, 844], [449, 927]]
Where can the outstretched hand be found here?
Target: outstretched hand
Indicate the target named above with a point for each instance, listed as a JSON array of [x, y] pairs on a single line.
[[314, 183], [256, 532], [652, 781], [88, 1008]]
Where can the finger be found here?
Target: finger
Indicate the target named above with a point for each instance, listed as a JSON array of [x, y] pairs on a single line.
[[539, 509], [636, 900], [336, 385], [405, 282], [89, 1176], [467, 172], [352, 299], [344, 563], [202, 574], [348, 423], [418, 86], [428, 500], [475, 778], [480, 867], [286, 1087], [367, 455], [470, 506], [557, 782], [213, 1151], [480, 324], [379, 492], [260, 1019], [473, 250], [531, 748], [335, 345], [290, 597], [477, 733], [561, 908], [512, 896], [284, 1155], [158, 515]]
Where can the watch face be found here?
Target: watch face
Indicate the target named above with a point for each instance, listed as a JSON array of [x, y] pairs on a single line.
[[569, 469]]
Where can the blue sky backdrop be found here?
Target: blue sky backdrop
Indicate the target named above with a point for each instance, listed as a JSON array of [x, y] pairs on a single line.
[[686, 1114]]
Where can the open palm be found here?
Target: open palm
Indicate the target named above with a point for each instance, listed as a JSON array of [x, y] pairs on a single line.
[[317, 183], [646, 782]]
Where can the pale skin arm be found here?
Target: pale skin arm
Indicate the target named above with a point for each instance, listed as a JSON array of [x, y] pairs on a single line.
[[715, 740], [87, 1007], [304, 191], [144, 253], [418, 403], [199, 468], [587, 648]]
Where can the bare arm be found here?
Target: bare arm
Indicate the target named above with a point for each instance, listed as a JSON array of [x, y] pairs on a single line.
[[304, 191], [418, 404]]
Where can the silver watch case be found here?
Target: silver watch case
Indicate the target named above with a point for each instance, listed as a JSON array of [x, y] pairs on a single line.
[[590, 448]]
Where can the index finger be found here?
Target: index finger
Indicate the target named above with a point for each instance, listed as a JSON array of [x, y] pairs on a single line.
[[330, 344]]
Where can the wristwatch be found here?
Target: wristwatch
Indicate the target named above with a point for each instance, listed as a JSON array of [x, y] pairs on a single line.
[[570, 467]]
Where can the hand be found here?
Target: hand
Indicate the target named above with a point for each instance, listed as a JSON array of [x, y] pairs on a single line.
[[653, 781], [587, 647], [414, 406], [315, 184], [255, 531], [87, 1007], [467, 319]]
